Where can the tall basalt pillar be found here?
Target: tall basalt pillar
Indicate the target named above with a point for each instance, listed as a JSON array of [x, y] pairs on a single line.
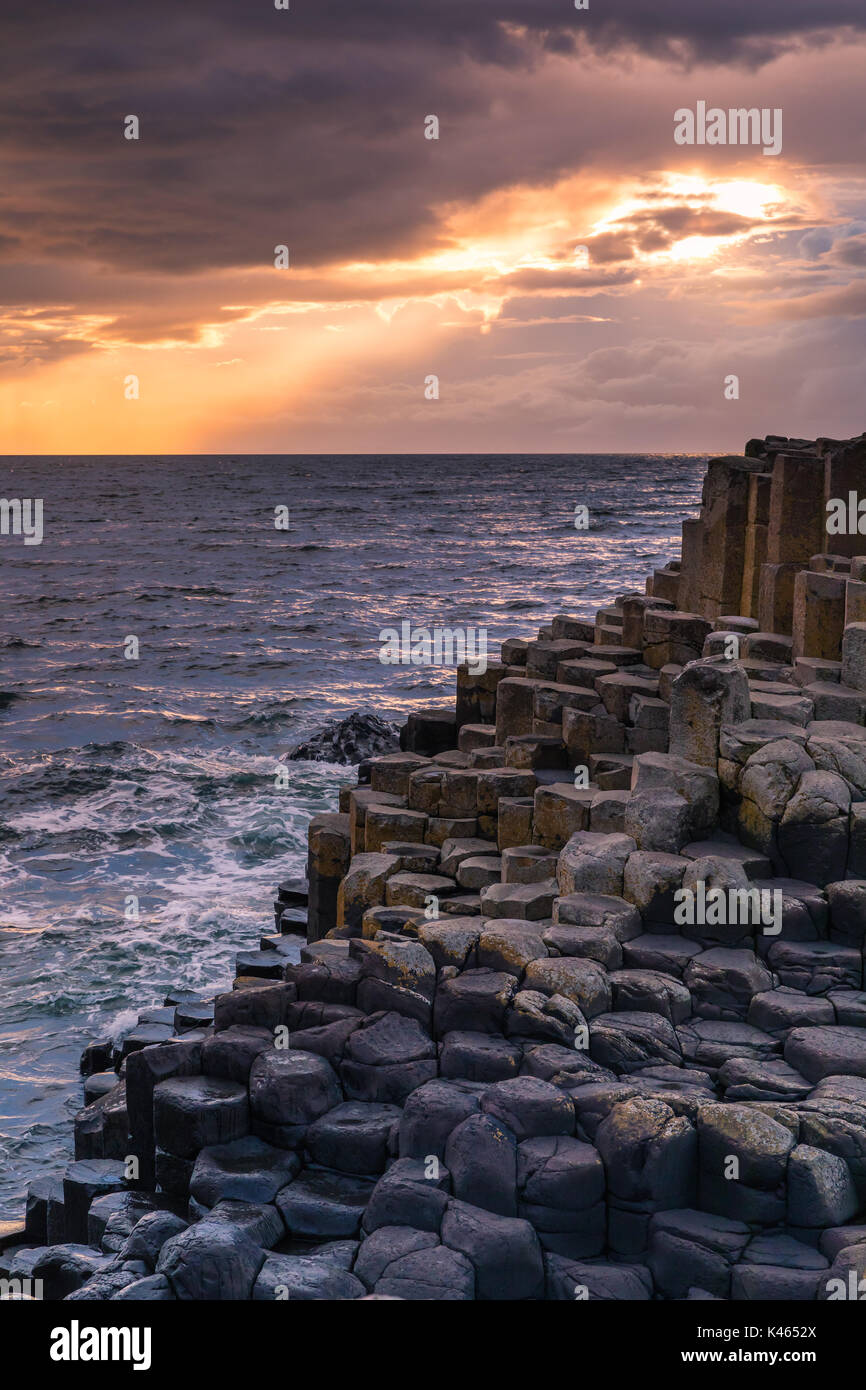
[[757, 530], [796, 524], [327, 862], [776, 597], [724, 513], [845, 480], [689, 592], [819, 615]]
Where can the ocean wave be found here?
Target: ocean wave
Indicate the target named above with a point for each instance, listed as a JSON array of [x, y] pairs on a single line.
[[270, 716]]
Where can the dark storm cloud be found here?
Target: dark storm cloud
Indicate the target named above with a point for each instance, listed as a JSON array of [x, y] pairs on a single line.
[[105, 35]]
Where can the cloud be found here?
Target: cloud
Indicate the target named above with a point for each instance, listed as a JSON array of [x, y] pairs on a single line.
[[261, 127]]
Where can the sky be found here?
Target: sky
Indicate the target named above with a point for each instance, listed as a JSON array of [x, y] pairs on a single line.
[[573, 278]]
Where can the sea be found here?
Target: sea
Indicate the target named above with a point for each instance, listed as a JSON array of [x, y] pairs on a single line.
[[187, 621]]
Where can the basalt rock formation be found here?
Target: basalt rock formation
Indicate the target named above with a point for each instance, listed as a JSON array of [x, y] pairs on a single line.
[[581, 1008], [350, 740]]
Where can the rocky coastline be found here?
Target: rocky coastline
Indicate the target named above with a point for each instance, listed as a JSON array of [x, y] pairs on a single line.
[[580, 1013]]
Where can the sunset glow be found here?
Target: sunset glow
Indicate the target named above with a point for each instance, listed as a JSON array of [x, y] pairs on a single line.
[[554, 221]]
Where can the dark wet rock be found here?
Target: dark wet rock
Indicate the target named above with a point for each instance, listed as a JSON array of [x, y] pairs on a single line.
[[813, 831], [849, 1007], [709, 1044], [334, 981], [504, 1251], [649, 1154], [387, 1244], [103, 1287], [190, 1112], [593, 863], [779, 1010], [451, 942], [289, 1090], [349, 740], [397, 961], [584, 982], [301, 1280], [260, 1221], [387, 1058], [821, 1191], [599, 910], [650, 991], [64, 1268], [146, 1035], [96, 1057], [743, 1078], [510, 946], [263, 1006], [481, 1156], [777, 1248], [561, 1186], [173, 1175], [668, 954], [102, 1127], [594, 943], [211, 1260], [651, 881], [761, 1148], [149, 1235], [324, 1205], [723, 982], [231, 1052], [529, 902], [529, 1107], [627, 1041], [544, 1018], [353, 1137], [847, 903], [479, 1057], [844, 1279], [822, 1052], [111, 1218], [834, 1119], [327, 1040], [432, 1112], [569, 1280], [595, 1100], [411, 1193], [99, 1084], [44, 1221], [153, 1289], [658, 820], [816, 967], [476, 1001], [246, 1170], [439, 1274], [693, 1248], [775, 1266], [840, 1238], [82, 1182]]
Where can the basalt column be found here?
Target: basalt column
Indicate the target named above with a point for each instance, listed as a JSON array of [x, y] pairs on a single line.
[[724, 514]]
